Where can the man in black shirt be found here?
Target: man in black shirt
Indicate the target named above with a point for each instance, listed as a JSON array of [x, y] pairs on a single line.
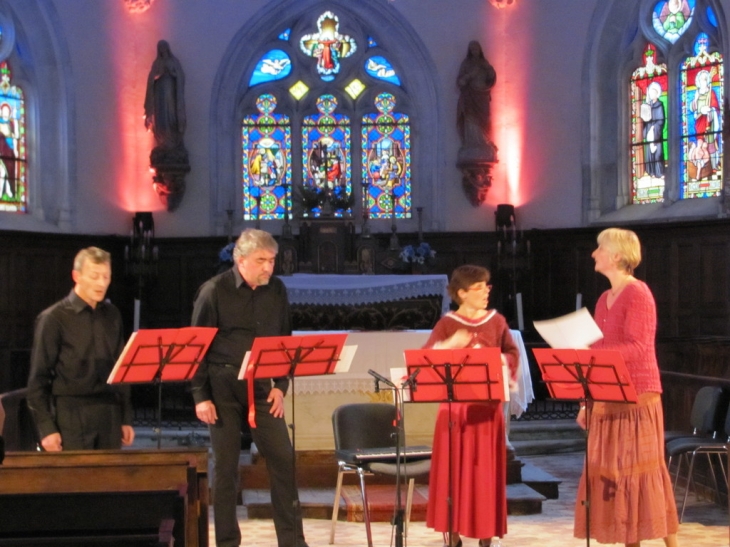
[[243, 303], [75, 345]]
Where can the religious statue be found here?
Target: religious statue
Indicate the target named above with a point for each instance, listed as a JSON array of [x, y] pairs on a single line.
[[164, 109], [476, 80], [478, 153]]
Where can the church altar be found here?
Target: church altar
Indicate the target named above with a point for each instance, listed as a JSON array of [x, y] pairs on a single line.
[[316, 397], [366, 302], [336, 290]]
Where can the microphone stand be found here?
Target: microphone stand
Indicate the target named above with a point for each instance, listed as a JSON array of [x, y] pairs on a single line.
[[398, 520]]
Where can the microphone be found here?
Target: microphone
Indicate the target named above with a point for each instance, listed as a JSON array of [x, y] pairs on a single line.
[[411, 380], [380, 378]]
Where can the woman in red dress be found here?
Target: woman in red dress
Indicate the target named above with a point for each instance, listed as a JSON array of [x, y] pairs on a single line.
[[631, 493], [478, 452]]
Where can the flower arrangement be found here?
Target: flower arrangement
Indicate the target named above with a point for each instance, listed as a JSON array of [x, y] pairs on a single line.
[[341, 200], [311, 196], [420, 254]]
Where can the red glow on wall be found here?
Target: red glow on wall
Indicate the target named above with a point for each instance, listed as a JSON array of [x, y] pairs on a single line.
[[511, 60], [131, 176]]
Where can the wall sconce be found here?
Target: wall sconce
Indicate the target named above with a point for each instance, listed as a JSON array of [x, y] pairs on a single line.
[[140, 256], [504, 218]]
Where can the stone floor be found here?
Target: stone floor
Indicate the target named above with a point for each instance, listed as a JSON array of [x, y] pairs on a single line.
[[705, 524]]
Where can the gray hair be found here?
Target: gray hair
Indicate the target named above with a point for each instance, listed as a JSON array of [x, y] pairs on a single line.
[[252, 240], [93, 254]]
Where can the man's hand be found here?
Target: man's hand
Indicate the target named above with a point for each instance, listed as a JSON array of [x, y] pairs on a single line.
[[127, 435], [206, 413], [276, 398], [52, 443]]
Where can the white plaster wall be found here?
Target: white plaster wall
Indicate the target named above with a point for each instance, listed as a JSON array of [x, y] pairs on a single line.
[[536, 46]]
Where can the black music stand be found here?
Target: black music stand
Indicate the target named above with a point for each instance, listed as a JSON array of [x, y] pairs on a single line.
[[456, 375], [161, 355], [400, 436], [586, 376], [290, 356]]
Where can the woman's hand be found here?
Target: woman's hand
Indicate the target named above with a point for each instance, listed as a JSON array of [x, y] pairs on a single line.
[[460, 339]]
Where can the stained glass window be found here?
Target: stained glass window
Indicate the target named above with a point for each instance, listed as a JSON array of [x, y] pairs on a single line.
[[701, 91], [275, 65], [649, 145], [352, 89], [386, 160], [379, 67], [266, 162], [671, 18], [328, 46], [326, 157], [13, 182]]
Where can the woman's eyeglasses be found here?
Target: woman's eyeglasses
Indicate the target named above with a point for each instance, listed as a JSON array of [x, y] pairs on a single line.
[[480, 288]]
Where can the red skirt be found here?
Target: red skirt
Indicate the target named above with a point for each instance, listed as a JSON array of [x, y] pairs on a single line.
[[479, 471], [631, 493]]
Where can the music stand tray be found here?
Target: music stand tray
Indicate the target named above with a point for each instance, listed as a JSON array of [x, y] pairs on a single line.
[[162, 355], [586, 375], [456, 375], [289, 356], [168, 355]]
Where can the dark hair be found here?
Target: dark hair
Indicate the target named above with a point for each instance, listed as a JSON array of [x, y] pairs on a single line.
[[464, 277]]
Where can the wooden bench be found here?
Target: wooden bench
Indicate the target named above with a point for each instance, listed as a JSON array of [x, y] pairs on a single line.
[[56, 496]]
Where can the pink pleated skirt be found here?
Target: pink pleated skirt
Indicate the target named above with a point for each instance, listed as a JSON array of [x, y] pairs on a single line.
[[630, 490]]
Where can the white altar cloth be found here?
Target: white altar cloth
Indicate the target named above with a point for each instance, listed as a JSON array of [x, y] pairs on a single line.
[[337, 290], [383, 350]]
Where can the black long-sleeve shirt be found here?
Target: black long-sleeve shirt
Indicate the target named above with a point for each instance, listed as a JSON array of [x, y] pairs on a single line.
[[75, 347], [241, 314]]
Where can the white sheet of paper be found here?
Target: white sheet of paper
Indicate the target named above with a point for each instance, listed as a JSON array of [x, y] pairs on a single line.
[[120, 359], [244, 366], [576, 330], [346, 356]]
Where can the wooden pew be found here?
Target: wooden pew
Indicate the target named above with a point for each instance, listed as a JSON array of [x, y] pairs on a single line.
[[79, 491]]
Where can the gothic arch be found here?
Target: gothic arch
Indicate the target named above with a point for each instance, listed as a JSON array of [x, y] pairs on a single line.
[[621, 26], [254, 38], [42, 67]]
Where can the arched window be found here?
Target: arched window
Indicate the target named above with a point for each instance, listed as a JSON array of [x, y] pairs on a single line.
[[13, 181], [668, 111], [354, 82], [266, 162], [341, 72], [37, 119]]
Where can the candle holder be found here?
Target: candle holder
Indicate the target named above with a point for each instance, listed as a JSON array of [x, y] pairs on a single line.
[[394, 243], [140, 257]]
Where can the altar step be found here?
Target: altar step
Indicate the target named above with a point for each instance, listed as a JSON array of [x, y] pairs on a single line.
[[533, 437], [528, 485]]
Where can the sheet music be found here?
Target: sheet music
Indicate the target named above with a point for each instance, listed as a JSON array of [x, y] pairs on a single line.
[[576, 330], [120, 359], [244, 366], [346, 356]]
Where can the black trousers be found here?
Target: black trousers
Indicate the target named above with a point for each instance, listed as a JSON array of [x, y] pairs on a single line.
[[272, 439], [89, 423]]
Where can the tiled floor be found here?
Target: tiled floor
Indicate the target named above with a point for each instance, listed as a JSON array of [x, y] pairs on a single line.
[[705, 524]]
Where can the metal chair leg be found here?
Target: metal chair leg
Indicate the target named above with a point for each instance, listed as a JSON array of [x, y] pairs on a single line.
[[336, 504], [365, 508]]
